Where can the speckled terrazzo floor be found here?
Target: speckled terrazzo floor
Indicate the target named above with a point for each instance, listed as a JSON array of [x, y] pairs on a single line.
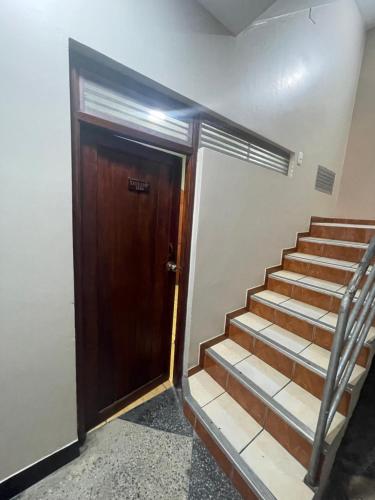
[[148, 453]]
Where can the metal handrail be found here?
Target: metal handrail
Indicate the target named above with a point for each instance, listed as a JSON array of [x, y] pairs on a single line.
[[353, 324]]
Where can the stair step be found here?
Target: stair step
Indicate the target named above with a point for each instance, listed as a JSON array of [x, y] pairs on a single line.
[[314, 266], [329, 262], [306, 328], [332, 249], [204, 388], [317, 292], [232, 421], [338, 243], [282, 473], [315, 283], [272, 386], [301, 310], [300, 350], [342, 231]]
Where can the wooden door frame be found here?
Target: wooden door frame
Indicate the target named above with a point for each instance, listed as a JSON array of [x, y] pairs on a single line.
[[79, 119]]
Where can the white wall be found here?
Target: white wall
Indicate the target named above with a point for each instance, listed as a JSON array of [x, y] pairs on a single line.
[[357, 197], [293, 81], [178, 44]]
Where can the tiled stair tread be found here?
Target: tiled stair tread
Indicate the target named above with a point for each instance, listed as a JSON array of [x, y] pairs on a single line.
[[337, 224], [285, 338], [276, 468], [204, 388], [262, 375], [305, 349], [342, 264], [328, 286], [321, 316], [320, 357], [231, 351], [291, 304], [233, 421], [305, 407], [253, 321], [328, 241], [280, 472], [296, 400]]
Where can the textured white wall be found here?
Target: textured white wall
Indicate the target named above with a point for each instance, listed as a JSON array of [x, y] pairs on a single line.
[[357, 196], [293, 81]]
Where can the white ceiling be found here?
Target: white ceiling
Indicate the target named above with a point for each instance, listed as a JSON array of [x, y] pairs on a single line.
[[367, 7], [236, 15]]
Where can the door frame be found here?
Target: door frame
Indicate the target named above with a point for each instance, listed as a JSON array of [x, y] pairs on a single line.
[[96, 66]]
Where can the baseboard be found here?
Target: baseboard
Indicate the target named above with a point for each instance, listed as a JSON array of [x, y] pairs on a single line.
[[31, 475]]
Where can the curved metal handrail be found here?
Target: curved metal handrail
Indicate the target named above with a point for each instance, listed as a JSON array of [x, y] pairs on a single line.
[[353, 324]]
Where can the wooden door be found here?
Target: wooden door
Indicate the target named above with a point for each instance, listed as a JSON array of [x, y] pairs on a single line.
[[129, 209]]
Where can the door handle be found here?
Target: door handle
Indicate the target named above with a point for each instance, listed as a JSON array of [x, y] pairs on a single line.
[[172, 266]]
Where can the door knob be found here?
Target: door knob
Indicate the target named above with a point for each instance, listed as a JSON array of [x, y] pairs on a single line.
[[171, 266]]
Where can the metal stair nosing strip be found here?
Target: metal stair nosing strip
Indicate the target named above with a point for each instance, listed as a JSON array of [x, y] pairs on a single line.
[[284, 350]]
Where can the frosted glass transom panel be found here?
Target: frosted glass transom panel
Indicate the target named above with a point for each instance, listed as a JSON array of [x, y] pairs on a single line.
[[104, 102]]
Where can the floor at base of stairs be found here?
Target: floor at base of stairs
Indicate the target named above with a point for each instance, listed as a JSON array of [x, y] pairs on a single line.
[[353, 474], [150, 452]]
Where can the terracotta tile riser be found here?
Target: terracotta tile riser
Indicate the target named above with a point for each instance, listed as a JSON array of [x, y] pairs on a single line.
[[316, 271], [361, 235], [292, 441], [331, 251], [304, 377], [318, 336], [303, 294]]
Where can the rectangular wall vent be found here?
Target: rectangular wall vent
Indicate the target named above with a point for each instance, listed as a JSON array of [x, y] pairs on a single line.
[[214, 138], [325, 180], [104, 102]]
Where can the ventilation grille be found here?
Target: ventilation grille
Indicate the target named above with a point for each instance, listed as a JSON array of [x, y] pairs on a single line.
[[325, 180], [214, 138], [104, 102]]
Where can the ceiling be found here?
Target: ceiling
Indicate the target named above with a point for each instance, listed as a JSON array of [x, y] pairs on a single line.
[[367, 7], [236, 15]]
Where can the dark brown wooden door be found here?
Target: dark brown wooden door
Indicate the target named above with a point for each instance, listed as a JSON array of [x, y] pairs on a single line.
[[129, 201]]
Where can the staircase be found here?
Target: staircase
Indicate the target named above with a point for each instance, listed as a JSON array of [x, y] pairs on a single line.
[[255, 397]]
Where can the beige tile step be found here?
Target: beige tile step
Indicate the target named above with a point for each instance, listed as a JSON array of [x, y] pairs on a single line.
[[274, 386], [342, 231], [339, 243], [315, 315], [239, 442], [292, 345], [281, 472]]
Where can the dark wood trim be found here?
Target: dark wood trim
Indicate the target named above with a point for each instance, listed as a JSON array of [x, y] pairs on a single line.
[[77, 250], [194, 369], [186, 234], [31, 475], [231, 315], [134, 134]]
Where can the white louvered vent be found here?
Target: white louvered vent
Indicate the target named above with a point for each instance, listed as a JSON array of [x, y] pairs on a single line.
[[101, 101], [325, 180], [214, 138]]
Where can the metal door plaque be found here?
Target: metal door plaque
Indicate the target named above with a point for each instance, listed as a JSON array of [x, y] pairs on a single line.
[[138, 185]]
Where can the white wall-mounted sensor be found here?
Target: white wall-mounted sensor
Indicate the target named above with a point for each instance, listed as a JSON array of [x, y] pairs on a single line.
[[300, 158]]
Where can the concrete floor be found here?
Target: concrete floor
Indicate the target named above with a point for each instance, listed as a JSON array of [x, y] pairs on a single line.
[[148, 453]]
